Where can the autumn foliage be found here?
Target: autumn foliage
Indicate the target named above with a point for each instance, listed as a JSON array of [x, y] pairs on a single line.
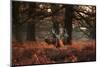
[[32, 53]]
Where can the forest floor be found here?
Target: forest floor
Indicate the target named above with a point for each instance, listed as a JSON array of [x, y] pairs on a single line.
[[29, 53]]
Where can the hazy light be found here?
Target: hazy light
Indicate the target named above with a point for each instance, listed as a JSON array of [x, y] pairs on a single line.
[[49, 10], [41, 6], [83, 28], [60, 5]]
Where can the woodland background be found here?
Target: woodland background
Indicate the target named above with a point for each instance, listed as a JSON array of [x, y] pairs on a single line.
[[45, 33]]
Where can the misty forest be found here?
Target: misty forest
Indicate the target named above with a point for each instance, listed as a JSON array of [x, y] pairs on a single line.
[[45, 33]]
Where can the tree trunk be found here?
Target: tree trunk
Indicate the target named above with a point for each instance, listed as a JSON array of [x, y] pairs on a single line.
[[56, 29], [56, 26], [31, 24], [31, 32], [93, 33], [68, 23], [16, 30]]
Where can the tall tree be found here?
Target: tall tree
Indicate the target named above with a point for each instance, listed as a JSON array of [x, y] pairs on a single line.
[[31, 24], [15, 25], [68, 23]]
